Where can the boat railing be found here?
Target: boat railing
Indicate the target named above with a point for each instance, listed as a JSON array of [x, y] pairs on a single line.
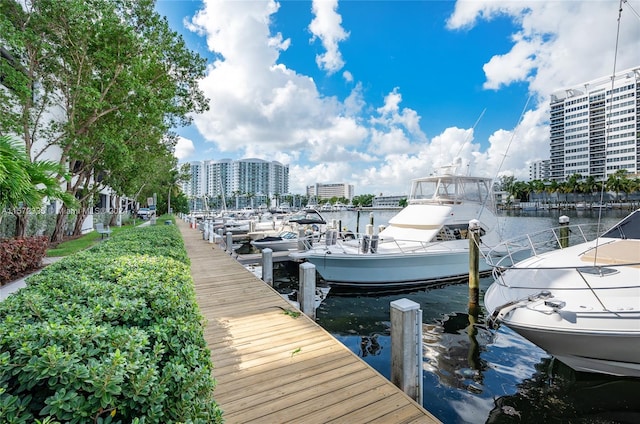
[[583, 283], [365, 244], [508, 253]]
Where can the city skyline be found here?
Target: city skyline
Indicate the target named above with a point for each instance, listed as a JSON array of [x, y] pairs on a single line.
[[376, 93]]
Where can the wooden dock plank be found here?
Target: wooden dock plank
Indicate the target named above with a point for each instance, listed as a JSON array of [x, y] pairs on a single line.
[[271, 367]]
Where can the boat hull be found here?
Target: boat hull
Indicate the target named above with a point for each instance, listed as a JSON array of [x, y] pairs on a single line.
[[580, 303], [276, 246], [614, 353], [386, 270]]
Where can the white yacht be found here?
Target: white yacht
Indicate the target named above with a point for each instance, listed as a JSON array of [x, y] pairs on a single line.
[[577, 299], [427, 240]]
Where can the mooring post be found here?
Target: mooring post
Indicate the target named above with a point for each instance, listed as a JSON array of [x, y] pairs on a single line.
[[211, 232], [564, 231], [358, 222], [267, 266], [307, 289], [474, 261], [301, 239], [406, 347], [229, 242]]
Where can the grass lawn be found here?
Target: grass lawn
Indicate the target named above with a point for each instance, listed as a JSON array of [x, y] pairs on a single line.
[[72, 246]]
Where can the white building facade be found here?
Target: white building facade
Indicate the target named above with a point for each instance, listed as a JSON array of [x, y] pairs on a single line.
[[327, 191], [250, 182], [539, 169], [594, 127]]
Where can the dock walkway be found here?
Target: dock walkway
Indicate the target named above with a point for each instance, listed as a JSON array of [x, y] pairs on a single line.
[[274, 367]]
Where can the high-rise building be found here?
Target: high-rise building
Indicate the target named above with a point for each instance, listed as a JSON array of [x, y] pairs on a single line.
[[327, 191], [595, 128], [539, 169], [249, 181]]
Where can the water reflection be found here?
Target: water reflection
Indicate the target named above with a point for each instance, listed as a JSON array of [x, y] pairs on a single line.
[[473, 374], [561, 395], [369, 345], [452, 351]]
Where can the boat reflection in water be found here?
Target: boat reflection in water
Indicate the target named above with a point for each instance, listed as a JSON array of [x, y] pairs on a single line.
[[451, 350], [563, 395]]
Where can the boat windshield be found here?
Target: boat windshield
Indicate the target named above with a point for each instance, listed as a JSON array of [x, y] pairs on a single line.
[[451, 189], [628, 228], [307, 217]]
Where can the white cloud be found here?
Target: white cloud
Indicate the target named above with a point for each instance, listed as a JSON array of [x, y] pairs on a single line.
[[262, 108], [258, 105], [184, 148], [327, 26]]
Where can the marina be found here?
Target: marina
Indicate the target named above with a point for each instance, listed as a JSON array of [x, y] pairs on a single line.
[[274, 365], [473, 374]]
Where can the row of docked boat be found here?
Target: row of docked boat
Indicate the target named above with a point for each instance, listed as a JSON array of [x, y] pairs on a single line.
[[427, 240], [570, 290]]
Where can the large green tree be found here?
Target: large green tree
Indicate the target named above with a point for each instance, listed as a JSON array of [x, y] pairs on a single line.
[[99, 83]]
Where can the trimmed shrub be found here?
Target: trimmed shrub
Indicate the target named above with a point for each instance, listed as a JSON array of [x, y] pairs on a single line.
[[108, 335], [19, 256]]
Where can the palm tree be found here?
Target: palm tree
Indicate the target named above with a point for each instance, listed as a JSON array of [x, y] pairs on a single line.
[[25, 184], [552, 188], [617, 181], [573, 184], [591, 185]]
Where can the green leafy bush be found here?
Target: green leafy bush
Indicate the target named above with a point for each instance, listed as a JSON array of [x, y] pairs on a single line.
[[20, 255], [108, 335]]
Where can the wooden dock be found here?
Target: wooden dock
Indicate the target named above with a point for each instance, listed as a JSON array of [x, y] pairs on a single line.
[[273, 367]]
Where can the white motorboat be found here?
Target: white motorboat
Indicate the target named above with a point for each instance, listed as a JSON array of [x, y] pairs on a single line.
[[285, 235], [427, 240], [283, 241], [580, 303]]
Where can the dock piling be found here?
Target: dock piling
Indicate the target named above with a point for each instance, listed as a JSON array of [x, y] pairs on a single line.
[[229, 242], [564, 231], [406, 347], [474, 261], [307, 289], [267, 266], [301, 239]]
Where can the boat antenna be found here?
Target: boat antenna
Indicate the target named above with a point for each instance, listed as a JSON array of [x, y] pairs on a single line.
[[513, 136], [504, 156], [607, 117], [466, 139]]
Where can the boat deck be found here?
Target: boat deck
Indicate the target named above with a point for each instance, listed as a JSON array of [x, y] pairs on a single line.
[[274, 367], [256, 258]]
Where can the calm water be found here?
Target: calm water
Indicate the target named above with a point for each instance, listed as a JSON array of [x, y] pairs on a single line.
[[473, 374]]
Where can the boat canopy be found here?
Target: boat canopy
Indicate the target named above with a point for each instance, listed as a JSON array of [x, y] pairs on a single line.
[[450, 189], [417, 223]]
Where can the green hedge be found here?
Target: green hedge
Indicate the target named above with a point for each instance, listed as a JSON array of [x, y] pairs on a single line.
[[112, 334]]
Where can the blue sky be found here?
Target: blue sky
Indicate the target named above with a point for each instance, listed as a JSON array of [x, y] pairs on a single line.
[[375, 93]]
